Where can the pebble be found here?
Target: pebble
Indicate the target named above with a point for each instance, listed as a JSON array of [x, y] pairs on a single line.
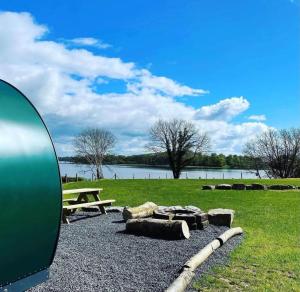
[[95, 254]]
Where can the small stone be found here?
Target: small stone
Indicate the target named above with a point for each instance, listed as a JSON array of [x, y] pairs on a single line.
[[208, 187], [223, 187], [221, 217], [162, 207], [201, 217], [193, 226], [190, 219], [238, 186], [281, 187], [258, 187], [175, 208], [193, 208], [161, 214], [202, 225]]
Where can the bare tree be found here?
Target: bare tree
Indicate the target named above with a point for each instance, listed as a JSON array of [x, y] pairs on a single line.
[[250, 150], [93, 145], [278, 150], [180, 140]]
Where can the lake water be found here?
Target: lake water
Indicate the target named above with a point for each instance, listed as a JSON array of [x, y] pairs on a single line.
[[126, 171]]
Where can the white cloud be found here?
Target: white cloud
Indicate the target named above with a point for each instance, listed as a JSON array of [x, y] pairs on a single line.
[[90, 42], [257, 118], [162, 85], [66, 86], [225, 109], [230, 138]]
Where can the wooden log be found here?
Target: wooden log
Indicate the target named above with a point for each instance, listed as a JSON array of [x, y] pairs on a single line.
[[230, 233], [202, 255], [185, 277], [175, 229], [142, 211], [183, 280]]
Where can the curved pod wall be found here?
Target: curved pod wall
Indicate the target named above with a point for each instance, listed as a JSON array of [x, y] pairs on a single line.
[[30, 192]]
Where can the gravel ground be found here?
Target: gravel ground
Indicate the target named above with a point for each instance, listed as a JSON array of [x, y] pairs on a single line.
[[95, 254]]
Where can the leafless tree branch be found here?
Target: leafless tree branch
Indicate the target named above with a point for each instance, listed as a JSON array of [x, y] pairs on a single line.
[[93, 145], [278, 150], [180, 140]]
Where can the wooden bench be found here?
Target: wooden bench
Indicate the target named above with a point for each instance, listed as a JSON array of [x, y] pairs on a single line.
[[69, 200], [83, 201], [67, 210], [83, 190]]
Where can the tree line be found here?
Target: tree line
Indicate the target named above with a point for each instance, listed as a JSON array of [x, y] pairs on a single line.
[[179, 144], [161, 159]]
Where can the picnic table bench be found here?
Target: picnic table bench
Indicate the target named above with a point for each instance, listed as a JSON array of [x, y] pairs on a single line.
[[82, 201]]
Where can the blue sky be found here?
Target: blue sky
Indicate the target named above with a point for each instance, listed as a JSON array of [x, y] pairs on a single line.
[[229, 48]]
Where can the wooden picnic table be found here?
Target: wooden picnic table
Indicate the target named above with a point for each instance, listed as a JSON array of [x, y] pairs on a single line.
[[82, 195], [81, 200]]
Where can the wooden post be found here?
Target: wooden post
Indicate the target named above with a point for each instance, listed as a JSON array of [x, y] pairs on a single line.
[[76, 177], [241, 175], [133, 176], [149, 175], [115, 176], [223, 175], [66, 178]]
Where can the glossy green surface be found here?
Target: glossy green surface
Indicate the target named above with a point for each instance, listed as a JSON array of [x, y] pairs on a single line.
[[30, 189]]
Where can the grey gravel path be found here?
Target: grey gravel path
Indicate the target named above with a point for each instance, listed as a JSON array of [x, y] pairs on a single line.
[[95, 254]]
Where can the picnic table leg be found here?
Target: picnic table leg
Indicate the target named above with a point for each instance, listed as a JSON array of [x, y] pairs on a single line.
[[64, 218], [82, 198], [102, 209], [97, 198]]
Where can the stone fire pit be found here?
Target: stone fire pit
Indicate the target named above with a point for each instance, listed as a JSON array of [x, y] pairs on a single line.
[[194, 217]]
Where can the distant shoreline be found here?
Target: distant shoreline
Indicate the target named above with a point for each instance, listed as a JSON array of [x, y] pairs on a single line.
[[191, 167]]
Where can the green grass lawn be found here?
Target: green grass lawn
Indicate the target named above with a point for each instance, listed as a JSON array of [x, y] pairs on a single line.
[[269, 257]]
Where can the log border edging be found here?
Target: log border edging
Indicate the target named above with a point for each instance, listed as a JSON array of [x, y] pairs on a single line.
[[187, 271]]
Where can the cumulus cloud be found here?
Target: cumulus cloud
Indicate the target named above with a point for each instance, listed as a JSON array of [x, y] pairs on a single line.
[[65, 85], [226, 109], [90, 42], [162, 85], [257, 117]]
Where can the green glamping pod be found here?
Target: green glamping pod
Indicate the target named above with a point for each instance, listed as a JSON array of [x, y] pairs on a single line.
[[30, 193]]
